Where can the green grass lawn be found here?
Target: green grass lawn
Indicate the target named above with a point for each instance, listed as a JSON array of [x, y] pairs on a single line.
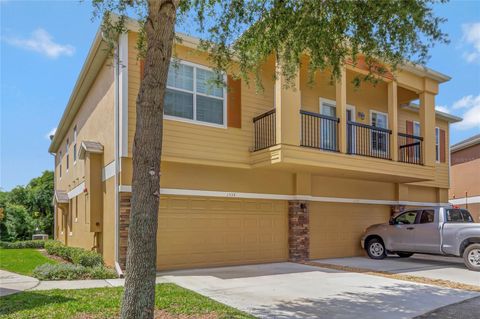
[[22, 261], [105, 303]]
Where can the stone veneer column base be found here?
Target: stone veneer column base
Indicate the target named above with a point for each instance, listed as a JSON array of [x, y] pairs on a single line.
[[298, 231], [124, 222]]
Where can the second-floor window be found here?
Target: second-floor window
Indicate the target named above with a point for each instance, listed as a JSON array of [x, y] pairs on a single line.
[[67, 156], [192, 95], [437, 144], [75, 145], [60, 165]]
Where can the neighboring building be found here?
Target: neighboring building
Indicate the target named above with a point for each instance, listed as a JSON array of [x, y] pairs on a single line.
[[248, 177], [465, 175]]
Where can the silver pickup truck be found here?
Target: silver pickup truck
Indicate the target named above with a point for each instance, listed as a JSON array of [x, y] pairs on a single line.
[[437, 230]]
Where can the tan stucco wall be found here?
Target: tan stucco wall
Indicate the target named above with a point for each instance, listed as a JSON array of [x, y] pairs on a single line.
[[79, 234], [94, 122], [352, 188], [465, 179], [108, 233]]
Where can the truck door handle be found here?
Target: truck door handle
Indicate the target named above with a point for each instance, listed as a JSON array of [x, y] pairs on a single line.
[[410, 228]]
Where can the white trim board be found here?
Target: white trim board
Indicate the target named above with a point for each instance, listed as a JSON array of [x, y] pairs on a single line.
[[123, 96], [195, 192], [465, 200], [108, 171], [76, 190]]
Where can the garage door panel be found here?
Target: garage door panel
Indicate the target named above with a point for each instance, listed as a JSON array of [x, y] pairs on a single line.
[[196, 232], [336, 229]]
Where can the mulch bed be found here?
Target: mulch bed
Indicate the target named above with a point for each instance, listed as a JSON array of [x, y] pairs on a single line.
[[56, 258], [422, 280]]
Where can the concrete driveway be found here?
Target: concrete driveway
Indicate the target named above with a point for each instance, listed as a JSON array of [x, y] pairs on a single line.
[[288, 290], [433, 267]]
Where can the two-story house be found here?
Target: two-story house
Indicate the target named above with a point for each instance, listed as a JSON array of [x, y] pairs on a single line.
[[248, 177]]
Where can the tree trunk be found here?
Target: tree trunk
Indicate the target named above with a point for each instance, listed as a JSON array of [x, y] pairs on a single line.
[[139, 297]]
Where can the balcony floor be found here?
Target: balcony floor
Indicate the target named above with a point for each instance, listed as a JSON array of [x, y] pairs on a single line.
[[298, 158]]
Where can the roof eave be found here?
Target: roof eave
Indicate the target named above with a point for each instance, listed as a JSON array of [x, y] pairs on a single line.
[[96, 56], [438, 114], [465, 144], [424, 71]]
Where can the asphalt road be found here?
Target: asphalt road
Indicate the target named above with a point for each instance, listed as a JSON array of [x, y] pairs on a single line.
[[467, 309]]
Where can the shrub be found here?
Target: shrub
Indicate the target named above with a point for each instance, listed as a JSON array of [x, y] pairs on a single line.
[[86, 258], [72, 272], [59, 272], [37, 244], [76, 255]]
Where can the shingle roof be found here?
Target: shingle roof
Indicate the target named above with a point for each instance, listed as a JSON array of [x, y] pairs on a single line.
[[471, 141], [61, 197], [91, 147]]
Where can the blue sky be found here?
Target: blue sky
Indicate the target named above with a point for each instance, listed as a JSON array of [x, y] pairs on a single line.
[[44, 44]]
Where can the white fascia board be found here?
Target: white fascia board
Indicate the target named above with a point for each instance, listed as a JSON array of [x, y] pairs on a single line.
[[194, 192]]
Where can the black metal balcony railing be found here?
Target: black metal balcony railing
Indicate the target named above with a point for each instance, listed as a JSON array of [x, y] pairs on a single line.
[[264, 127], [410, 149], [368, 140], [319, 131]]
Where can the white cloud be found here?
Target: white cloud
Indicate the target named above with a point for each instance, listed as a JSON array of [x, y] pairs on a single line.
[[466, 102], [50, 133], [471, 119], [42, 42], [471, 115], [442, 108], [471, 36]]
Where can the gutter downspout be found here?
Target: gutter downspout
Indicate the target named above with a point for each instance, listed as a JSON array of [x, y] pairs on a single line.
[[116, 155]]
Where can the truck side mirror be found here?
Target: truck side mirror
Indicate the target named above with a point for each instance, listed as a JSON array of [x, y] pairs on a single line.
[[391, 221]]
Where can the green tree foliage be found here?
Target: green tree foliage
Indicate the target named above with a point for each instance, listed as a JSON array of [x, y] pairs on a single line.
[[19, 224], [26, 208]]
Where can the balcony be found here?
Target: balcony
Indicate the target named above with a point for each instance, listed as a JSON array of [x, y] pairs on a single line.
[[369, 149], [321, 132], [264, 127]]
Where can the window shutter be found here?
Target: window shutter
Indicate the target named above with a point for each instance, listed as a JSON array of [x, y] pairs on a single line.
[[142, 69], [442, 146], [409, 127], [234, 102]]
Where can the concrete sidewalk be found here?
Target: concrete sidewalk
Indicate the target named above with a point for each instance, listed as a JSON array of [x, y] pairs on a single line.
[[11, 283], [85, 284]]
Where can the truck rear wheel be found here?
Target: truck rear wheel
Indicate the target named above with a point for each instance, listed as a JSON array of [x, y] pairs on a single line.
[[471, 257], [376, 249]]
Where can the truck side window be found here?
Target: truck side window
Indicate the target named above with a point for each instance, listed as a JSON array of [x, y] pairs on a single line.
[[406, 218], [456, 215], [428, 216], [466, 216]]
